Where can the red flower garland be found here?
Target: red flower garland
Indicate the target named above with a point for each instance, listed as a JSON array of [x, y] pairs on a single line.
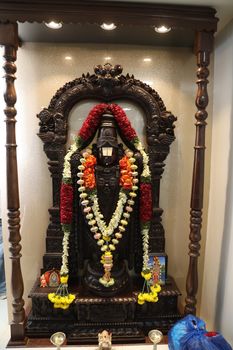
[[90, 126], [87, 130], [123, 122], [92, 121], [145, 202], [66, 203]]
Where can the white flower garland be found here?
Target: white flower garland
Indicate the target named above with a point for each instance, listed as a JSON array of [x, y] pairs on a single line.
[[95, 218], [146, 170], [119, 218], [65, 243], [67, 169], [145, 245], [107, 230], [103, 233]]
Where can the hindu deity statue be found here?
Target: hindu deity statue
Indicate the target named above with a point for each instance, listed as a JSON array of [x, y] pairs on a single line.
[[104, 215], [105, 209]]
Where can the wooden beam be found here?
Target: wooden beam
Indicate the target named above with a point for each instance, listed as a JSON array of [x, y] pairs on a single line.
[[9, 35], [94, 11]]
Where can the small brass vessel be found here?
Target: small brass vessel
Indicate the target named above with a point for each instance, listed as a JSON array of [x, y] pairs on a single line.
[[58, 339], [155, 336]]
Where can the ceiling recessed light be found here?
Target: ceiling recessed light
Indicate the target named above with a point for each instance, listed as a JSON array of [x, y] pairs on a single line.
[[54, 25], [162, 29], [147, 59], [107, 58], [68, 58], [108, 26]]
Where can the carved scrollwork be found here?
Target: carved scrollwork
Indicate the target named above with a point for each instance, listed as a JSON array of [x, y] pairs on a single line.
[[161, 129]]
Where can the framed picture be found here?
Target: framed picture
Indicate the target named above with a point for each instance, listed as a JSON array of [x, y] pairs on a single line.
[[158, 266]]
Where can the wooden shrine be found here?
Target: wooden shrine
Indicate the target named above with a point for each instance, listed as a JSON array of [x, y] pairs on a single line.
[[84, 316]]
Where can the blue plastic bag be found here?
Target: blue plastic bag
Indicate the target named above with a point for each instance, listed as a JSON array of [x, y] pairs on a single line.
[[190, 334]]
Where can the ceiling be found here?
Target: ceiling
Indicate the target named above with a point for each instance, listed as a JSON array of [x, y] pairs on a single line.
[[92, 33], [125, 34], [224, 7]]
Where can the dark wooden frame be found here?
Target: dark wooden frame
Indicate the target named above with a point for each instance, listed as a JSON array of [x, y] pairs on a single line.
[[201, 20], [106, 85]]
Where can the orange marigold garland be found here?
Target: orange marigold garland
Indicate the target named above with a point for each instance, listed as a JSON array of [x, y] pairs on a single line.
[[126, 178]]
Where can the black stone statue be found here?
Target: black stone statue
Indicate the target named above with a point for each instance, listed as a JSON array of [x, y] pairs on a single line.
[[84, 250]]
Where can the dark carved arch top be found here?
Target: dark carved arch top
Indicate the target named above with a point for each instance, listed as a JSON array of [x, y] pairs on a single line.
[[106, 85]]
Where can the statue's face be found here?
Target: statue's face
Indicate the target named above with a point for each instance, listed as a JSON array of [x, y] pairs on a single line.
[[107, 146], [107, 155], [107, 142]]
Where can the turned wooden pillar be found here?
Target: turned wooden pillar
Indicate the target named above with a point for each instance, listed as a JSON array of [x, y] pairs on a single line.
[[9, 38], [203, 48]]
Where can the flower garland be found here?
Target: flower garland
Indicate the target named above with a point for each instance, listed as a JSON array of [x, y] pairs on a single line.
[[62, 298], [103, 233]]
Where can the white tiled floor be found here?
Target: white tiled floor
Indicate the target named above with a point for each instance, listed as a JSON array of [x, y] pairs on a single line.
[[117, 347], [122, 347], [4, 328], [5, 336]]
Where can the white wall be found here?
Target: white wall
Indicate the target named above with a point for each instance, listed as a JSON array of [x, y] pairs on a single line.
[[42, 69], [217, 303]]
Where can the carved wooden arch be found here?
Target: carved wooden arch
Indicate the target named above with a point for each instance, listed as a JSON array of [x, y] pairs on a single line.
[[106, 85]]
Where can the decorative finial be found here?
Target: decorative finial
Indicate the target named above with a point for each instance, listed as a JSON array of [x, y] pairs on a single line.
[[107, 71]]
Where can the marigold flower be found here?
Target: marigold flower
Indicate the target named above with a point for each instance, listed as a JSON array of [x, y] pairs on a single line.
[[147, 276], [64, 279], [124, 162], [90, 161], [89, 181], [156, 288]]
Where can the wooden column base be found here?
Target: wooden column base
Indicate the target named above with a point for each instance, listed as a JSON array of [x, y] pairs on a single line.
[[19, 339]]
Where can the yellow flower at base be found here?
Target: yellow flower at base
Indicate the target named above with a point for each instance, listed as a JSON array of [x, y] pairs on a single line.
[[150, 297], [51, 297], [64, 279], [141, 297], [61, 302], [146, 275], [155, 289], [61, 306], [155, 299]]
